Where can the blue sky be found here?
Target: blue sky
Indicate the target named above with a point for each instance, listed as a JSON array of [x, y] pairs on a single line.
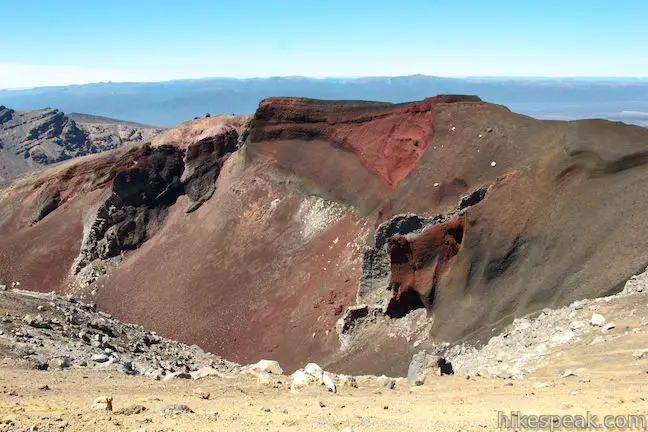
[[75, 41]]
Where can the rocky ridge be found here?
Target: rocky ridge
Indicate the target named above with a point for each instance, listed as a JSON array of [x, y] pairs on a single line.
[[34, 138]]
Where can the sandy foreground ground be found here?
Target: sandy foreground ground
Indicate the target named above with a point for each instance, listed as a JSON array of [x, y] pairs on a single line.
[[607, 377], [240, 403]]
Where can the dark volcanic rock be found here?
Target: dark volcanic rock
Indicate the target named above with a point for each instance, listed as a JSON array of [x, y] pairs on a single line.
[[204, 161], [142, 191], [49, 202], [474, 198]]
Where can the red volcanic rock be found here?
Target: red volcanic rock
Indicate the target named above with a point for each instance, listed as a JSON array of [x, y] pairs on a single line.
[[418, 261], [388, 139]]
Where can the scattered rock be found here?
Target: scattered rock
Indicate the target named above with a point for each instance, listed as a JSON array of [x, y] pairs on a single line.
[[264, 378], [103, 403], [100, 358], [59, 363], [567, 373], [493, 164], [641, 354], [387, 382], [43, 387], [300, 381], [177, 375], [576, 325], [609, 326], [76, 334], [205, 372], [175, 409], [40, 363], [578, 305], [37, 322], [201, 393], [131, 410], [597, 320]]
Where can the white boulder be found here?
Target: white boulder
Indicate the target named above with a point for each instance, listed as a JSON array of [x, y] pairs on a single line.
[[347, 380], [268, 366], [300, 380], [314, 370], [328, 382], [597, 320], [205, 372]]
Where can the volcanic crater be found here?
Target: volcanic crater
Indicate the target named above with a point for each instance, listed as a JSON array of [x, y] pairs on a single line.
[[252, 240]]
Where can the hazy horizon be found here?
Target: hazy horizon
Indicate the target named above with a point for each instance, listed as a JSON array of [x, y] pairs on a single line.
[[636, 79]]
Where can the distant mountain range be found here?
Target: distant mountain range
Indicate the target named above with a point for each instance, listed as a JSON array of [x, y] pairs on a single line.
[[169, 103]]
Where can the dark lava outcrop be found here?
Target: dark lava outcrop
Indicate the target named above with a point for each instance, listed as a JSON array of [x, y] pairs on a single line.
[[328, 204], [204, 161], [141, 193], [49, 201]]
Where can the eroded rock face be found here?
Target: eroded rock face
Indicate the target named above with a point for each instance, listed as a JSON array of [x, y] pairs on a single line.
[[418, 260], [376, 263], [204, 161], [141, 193]]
